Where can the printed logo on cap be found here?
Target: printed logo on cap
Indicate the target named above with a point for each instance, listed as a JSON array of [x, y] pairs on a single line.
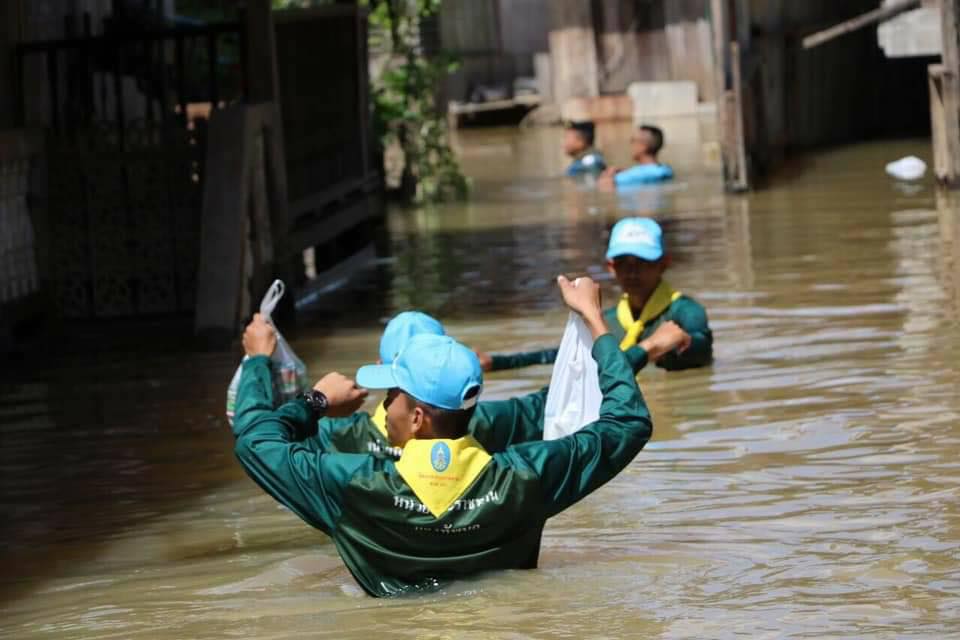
[[440, 457], [636, 234]]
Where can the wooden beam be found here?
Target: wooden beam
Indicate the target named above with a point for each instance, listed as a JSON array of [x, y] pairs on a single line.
[[10, 19], [261, 52], [573, 50], [863, 20], [941, 160], [740, 180], [950, 91], [720, 23], [239, 222]]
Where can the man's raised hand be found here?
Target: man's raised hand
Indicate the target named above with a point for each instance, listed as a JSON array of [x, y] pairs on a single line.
[[343, 395], [584, 298], [668, 337], [259, 338]]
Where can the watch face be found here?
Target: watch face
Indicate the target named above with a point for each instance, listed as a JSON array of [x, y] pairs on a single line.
[[320, 399], [317, 401]]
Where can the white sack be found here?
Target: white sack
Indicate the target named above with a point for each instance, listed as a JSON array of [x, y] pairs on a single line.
[[573, 400]]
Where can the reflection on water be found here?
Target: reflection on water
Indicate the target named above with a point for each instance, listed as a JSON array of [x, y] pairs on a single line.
[[804, 486]]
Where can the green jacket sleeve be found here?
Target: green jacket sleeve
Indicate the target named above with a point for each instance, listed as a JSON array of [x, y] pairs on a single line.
[[255, 393], [636, 356], [692, 317], [255, 397], [500, 423], [526, 359], [279, 450], [572, 467]]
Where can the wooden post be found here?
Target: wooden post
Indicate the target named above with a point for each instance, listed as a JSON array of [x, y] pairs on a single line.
[[263, 87], [261, 52], [573, 49], [941, 159], [237, 233], [363, 88], [721, 36], [721, 28], [738, 179], [730, 101], [9, 34], [950, 90]]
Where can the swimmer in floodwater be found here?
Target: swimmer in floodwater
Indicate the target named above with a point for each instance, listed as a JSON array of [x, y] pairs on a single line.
[[578, 144], [645, 145]]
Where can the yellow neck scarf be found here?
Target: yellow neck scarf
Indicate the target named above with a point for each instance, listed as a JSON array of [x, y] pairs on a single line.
[[662, 298], [440, 471], [380, 420]]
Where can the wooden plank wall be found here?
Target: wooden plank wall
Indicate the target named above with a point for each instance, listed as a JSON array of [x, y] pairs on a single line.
[[494, 40], [468, 30], [842, 91], [654, 41]]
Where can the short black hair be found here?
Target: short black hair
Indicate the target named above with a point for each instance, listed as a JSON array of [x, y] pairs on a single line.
[[585, 128], [449, 423], [656, 137]]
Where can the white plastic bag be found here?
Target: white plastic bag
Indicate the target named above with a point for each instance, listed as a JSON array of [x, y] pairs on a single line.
[[574, 398], [909, 168], [289, 372]]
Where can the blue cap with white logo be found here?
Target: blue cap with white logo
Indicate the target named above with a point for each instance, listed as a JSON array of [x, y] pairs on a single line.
[[640, 237], [401, 328], [434, 369]]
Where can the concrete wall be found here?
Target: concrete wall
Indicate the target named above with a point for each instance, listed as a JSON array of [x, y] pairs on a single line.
[[914, 33]]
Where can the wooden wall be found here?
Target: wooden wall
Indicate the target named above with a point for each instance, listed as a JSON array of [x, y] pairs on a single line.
[[842, 91], [654, 41], [494, 39]]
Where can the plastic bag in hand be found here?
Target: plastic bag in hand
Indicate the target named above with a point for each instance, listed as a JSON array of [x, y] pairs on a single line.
[[574, 398], [289, 372]]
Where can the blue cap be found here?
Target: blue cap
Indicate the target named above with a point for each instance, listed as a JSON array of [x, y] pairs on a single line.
[[640, 237], [401, 328], [434, 369]]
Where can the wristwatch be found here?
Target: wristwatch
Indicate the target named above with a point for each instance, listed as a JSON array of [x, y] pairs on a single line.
[[316, 401]]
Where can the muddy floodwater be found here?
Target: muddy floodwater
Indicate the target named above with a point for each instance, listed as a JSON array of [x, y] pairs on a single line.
[[807, 485]]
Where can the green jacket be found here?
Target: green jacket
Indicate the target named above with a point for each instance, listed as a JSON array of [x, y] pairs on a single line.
[[496, 424], [686, 312], [394, 538]]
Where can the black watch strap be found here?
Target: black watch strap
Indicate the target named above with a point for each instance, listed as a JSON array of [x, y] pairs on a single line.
[[316, 402]]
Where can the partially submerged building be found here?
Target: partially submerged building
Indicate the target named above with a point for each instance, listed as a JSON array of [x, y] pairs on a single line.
[[743, 60], [154, 165]]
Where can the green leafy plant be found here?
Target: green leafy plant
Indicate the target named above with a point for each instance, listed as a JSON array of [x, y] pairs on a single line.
[[405, 107]]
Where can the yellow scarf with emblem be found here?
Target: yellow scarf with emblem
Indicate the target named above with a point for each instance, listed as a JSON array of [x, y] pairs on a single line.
[[440, 471], [662, 298]]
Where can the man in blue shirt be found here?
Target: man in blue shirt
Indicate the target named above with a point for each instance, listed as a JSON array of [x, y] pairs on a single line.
[[645, 144], [578, 144]]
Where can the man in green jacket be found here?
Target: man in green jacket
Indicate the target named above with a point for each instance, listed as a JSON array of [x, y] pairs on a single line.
[[496, 424], [652, 321], [448, 507]]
